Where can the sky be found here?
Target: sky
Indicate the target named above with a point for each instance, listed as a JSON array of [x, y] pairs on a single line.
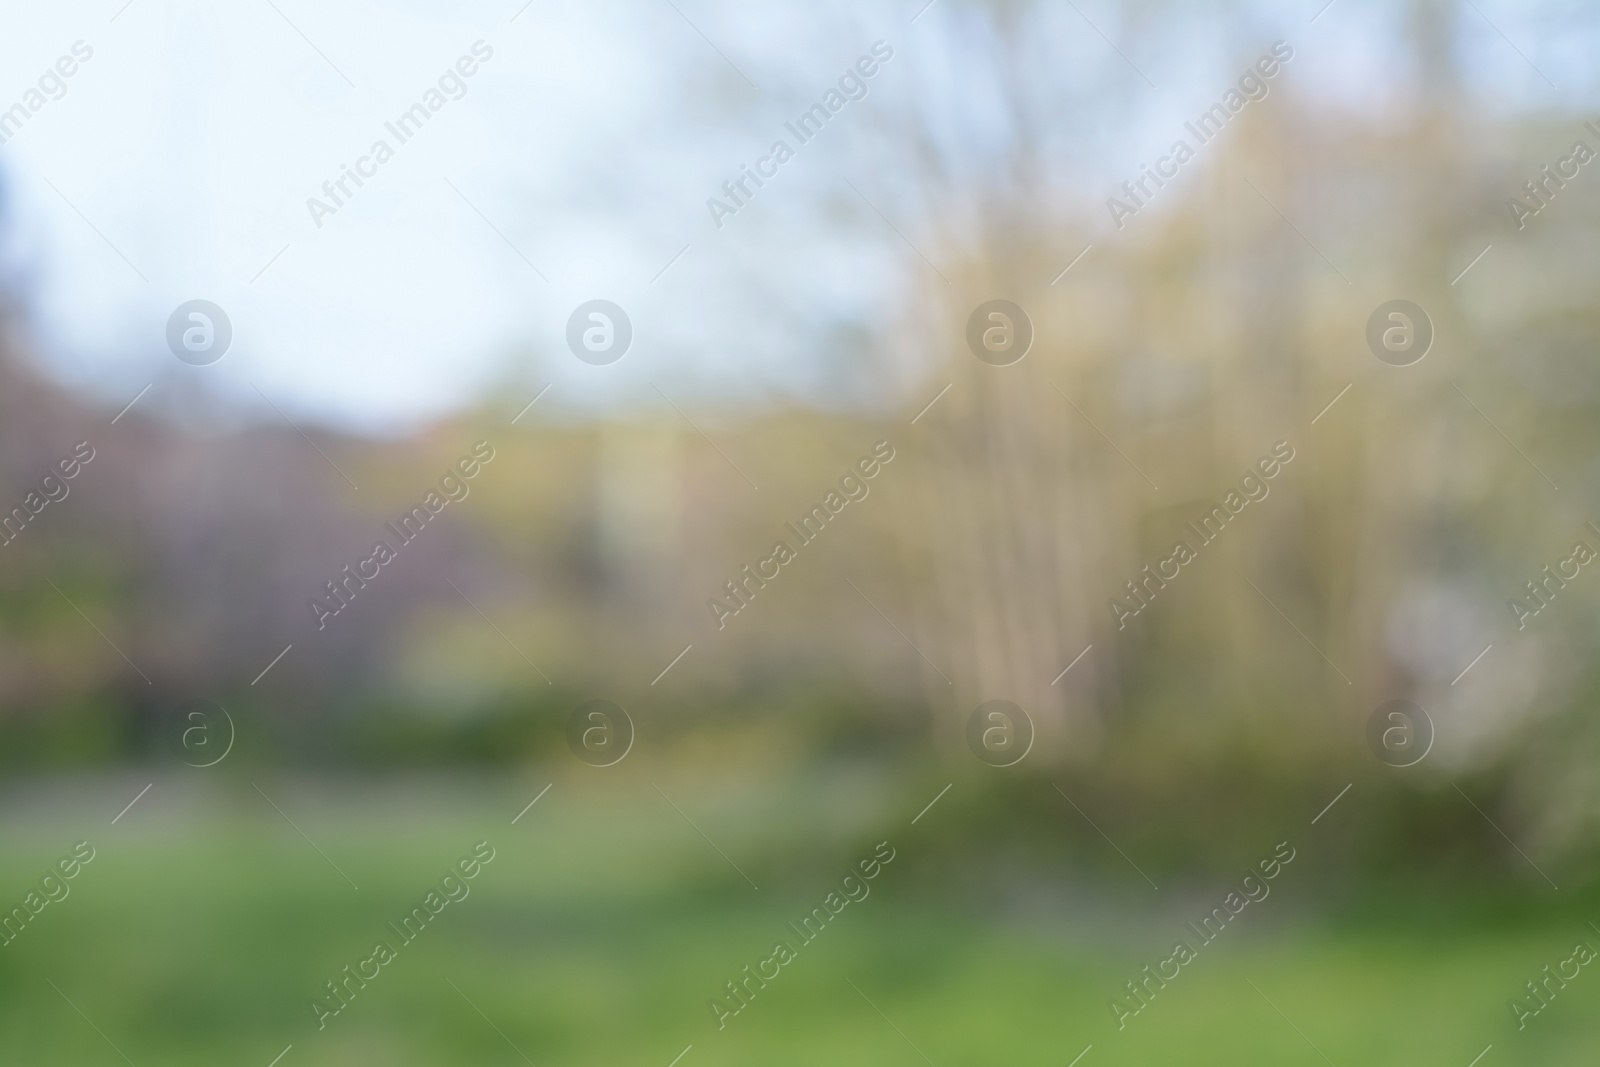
[[178, 160]]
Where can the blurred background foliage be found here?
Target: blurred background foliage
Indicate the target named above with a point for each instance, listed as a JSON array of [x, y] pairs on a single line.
[[1208, 329], [1177, 352]]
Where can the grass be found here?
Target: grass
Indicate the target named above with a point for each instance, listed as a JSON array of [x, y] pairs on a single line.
[[606, 922]]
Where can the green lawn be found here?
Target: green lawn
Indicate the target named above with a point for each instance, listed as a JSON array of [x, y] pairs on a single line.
[[606, 922]]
